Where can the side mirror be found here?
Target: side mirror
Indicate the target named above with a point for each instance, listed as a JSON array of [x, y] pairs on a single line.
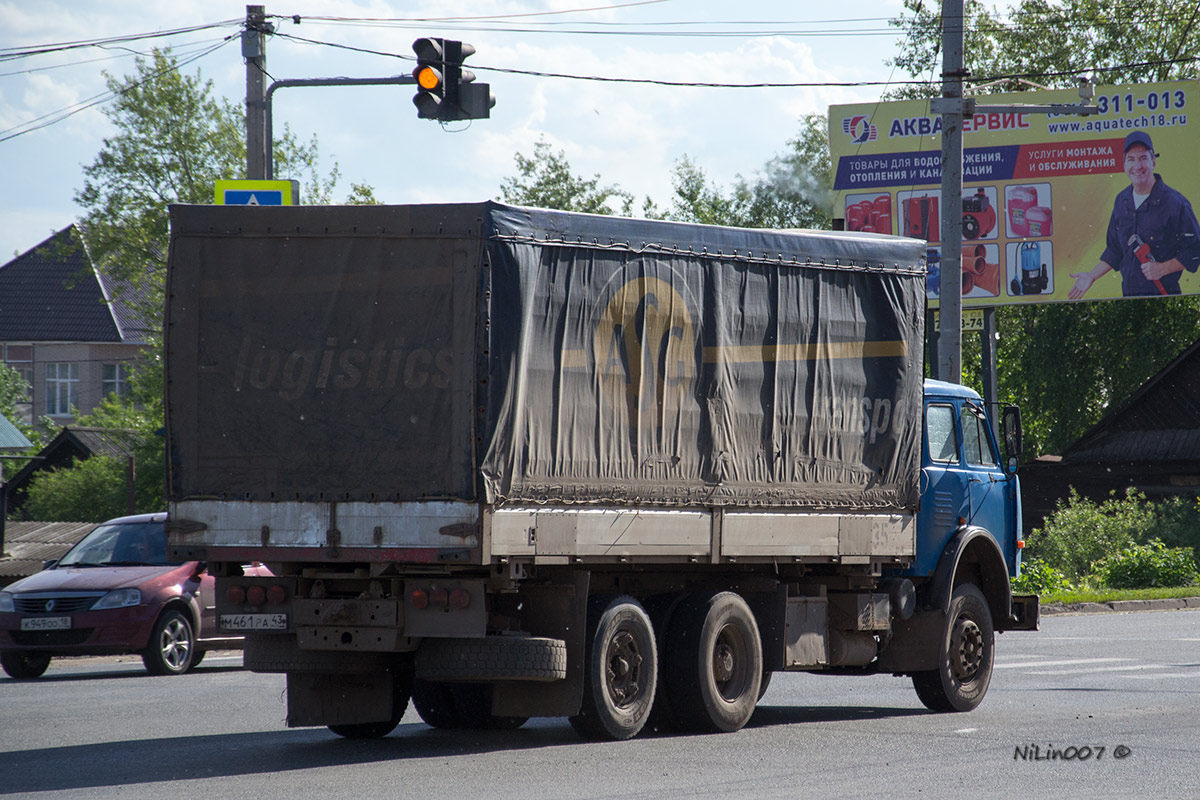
[[1010, 421]]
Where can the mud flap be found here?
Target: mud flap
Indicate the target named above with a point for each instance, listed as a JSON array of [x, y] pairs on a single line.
[[916, 643], [338, 699]]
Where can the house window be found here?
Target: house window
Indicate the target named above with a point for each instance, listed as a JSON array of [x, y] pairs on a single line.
[[115, 380], [20, 358], [62, 386]]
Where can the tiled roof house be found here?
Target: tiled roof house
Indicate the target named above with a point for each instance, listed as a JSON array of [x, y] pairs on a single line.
[[68, 329]]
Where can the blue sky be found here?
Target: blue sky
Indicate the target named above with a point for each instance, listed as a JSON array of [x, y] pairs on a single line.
[[631, 135]]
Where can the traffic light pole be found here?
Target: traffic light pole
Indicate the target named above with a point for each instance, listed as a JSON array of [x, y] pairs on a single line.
[[254, 51], [268, 127]]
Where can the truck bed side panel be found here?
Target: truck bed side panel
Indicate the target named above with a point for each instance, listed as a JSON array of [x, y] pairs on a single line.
[[642, 362]]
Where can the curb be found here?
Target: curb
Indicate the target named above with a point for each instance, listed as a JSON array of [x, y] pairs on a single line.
[[1122, 606]]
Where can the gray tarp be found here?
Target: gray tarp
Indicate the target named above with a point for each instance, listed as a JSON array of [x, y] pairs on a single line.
[[486, 352]]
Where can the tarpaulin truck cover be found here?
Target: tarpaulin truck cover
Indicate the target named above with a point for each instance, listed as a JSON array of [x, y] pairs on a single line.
[[490, 353]]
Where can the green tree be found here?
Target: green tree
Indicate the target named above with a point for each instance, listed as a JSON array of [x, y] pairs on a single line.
[[13, 392], [545, 180], [792, 190], [1067, 364], [1049, 42], [173, 140]]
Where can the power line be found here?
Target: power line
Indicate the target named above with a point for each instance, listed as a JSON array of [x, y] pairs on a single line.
[[488, 16], [10, 53], [751, 85], [53, 117], [186, 49]]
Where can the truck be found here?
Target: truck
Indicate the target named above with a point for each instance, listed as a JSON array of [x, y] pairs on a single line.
[[507, 462]]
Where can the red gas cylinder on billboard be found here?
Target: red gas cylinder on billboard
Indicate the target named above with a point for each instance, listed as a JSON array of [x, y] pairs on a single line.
[[1019, 199], [1039, 221], [881, 214]]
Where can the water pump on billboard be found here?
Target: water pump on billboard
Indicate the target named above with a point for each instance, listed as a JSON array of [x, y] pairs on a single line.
[[1034, 278], [978, 217]]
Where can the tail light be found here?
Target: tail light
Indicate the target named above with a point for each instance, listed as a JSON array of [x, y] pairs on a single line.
[[256, 594]]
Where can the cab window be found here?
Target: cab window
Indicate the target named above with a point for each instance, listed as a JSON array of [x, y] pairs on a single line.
[[977, 444], [942, 435]]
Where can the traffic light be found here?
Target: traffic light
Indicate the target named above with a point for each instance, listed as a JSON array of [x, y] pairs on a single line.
[[445, 89], [430, 75]]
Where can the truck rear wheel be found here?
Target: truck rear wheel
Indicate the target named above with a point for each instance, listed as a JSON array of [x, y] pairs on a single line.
[[716, 663], [460, 705], [620, 670], [402, 688], [967, 654]]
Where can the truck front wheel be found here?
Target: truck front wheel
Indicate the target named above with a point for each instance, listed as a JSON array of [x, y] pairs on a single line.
[[967, 654], [620, 670]]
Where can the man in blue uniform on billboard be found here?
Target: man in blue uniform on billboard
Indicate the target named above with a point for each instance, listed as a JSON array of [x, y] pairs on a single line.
[[1152, 233]]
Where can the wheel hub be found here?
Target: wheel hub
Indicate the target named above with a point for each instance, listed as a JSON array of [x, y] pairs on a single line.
[[966, 648], [622, 672], [723, 663]]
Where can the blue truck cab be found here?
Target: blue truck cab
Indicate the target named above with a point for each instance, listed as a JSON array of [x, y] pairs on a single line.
[[969, 521]]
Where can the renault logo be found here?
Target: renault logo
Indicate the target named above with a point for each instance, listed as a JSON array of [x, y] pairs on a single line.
[[49, 606]]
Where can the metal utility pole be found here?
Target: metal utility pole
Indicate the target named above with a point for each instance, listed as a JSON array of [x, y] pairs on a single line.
[[949, 357], [254, 51], [954, 109]]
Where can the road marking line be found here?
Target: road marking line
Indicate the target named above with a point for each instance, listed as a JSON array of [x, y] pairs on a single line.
[[1160, 675], [1066, 663], [1098, 669]]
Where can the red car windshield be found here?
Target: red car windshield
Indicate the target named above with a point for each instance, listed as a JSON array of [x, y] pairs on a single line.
[[125, 544]]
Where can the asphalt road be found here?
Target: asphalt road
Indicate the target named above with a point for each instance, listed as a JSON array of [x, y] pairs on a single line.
[[1093, 706]]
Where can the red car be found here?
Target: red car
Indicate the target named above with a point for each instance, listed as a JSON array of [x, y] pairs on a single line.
[[114, 592]]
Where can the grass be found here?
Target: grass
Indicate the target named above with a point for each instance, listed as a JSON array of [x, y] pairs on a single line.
[[1108, 595]]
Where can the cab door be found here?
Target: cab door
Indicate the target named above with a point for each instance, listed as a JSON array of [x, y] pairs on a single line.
[[943, 484], [992, 492]]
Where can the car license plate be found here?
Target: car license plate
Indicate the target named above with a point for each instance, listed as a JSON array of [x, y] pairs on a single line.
[[45, 623], [254, 622]]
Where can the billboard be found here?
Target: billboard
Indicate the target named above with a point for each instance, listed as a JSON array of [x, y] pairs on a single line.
[[1055, 207]]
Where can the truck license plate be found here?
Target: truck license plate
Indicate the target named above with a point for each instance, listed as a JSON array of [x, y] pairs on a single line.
[[254, 622], [45, 623]]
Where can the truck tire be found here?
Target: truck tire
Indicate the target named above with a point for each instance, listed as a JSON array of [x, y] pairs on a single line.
[[527, 658], [460, 706], [281, 653], [966, 656], [716, 663], [620, 670], [402, 689]]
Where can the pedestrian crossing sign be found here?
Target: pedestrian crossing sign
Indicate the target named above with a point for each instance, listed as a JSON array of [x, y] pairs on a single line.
[[258, 193]]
